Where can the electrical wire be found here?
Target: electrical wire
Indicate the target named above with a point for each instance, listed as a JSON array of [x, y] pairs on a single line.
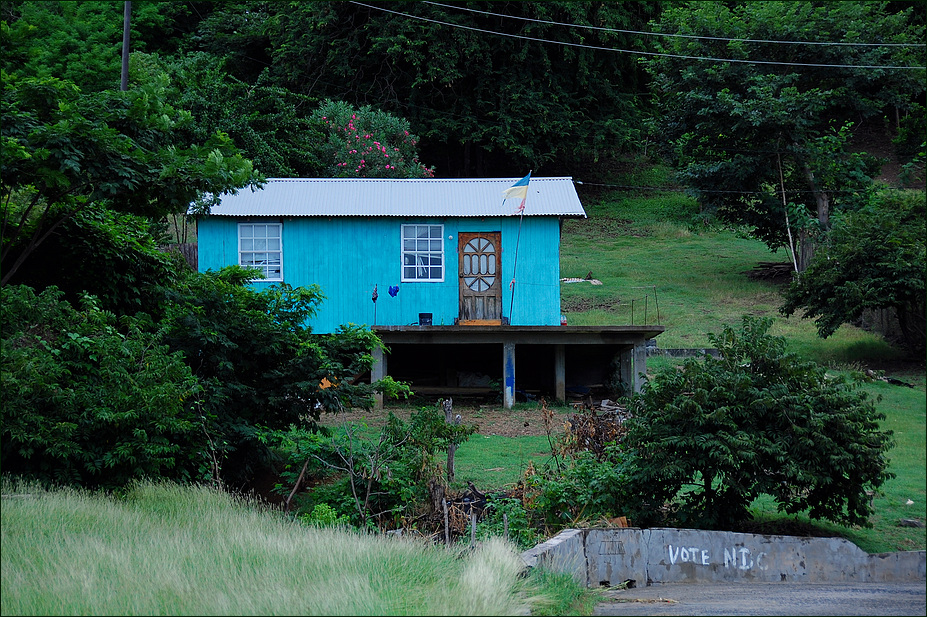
[[665, 34], [641, 53], [662, 189]]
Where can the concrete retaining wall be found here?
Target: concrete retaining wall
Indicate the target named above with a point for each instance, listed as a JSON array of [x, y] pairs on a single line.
[[610, 557]]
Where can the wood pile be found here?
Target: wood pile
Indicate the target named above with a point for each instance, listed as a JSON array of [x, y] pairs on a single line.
[[772, 270], [593, 430]]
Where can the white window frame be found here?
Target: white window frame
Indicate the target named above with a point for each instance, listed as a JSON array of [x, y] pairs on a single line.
[[415, 249], [252, 246]]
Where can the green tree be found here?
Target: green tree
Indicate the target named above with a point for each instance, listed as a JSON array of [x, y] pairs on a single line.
[[477, 82], [873, 259], [259, 363], [765, 138], [64, 151], [268, 123], [81, 42], [91, 399], [710, 438], [109, 255]]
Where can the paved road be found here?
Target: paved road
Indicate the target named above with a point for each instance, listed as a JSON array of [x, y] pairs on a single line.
[[768, 599]]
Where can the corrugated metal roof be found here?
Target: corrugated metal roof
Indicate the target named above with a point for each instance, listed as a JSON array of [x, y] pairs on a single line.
[[469, 197]]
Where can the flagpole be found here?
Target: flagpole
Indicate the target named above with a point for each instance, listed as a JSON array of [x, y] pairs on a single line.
[[514, 268], [515, 265]]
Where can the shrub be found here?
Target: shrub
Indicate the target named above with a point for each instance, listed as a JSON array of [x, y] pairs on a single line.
[[381, 480], [89, 400], [706, 440], [258, 361], [584, 488], [508, 516], [323, 515]]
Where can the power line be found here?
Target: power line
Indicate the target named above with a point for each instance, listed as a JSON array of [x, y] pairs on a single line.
[[664, 34], [631, 51], [666, 189]]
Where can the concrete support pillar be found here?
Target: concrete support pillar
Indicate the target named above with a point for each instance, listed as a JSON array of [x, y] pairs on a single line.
[[626, 368], [560, 372], [640, 366], [508, 374], [378, 372]]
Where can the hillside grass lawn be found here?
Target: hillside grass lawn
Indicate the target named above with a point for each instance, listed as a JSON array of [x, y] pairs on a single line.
[[697, 276], [164, 549]]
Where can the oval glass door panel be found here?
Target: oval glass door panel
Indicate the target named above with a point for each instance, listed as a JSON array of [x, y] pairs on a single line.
[[479, 264]]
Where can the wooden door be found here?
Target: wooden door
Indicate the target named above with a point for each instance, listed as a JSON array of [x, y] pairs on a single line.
[[480, 273]]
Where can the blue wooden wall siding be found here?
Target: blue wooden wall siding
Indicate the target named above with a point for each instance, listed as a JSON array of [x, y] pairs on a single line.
[[347, 256]]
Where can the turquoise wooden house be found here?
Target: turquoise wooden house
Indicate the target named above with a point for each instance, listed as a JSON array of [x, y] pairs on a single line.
[[399, 252], [461, 282]]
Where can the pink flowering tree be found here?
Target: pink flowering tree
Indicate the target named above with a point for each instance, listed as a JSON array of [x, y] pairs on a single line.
[[366, 143]]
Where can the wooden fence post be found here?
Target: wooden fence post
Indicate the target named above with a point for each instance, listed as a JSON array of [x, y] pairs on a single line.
[[451, 448], [447, 532]]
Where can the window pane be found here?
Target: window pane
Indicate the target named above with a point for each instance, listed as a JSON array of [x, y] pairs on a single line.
[[260, 246], [423, 248]]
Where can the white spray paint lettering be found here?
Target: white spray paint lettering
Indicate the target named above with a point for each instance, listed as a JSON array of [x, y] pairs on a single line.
[[740, 558], [746, 560], [689, 554]]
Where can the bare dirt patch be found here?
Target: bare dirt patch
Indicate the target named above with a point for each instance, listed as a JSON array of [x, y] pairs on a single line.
[[524, 420]]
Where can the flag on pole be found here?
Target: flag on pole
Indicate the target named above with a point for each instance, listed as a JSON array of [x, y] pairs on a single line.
[[519, 189]]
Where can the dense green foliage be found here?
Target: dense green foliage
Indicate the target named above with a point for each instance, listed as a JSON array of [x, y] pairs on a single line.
[[258, 362], [184, 397], [268, 123], [710, 438], [873, 259], [765, 138], [91, 399], [107, 254], [585, 487], [477, 82], [65, 151]]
